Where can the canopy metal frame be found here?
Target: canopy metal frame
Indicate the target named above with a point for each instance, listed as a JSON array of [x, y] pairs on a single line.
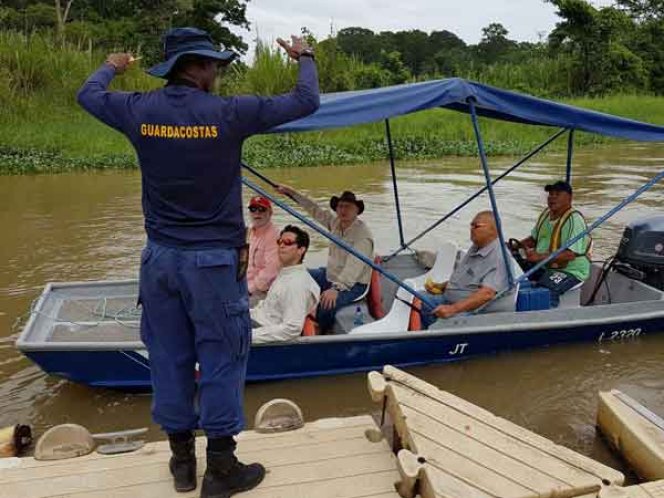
[[488, 187]]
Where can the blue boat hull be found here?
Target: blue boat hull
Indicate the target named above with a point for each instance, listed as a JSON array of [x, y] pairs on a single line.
[[130, 369]]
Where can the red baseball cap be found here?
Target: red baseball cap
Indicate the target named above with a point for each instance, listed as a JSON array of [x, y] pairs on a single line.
[[260, 201]]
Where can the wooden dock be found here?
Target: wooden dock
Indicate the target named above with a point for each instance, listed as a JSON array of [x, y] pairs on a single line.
[[328, 458], [647, 490], [446, 447], [454, 449]]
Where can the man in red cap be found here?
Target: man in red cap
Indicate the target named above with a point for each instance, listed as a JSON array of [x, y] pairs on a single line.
[[263, 264]]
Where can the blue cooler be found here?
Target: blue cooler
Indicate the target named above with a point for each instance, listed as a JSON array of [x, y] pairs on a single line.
[[532, 298]]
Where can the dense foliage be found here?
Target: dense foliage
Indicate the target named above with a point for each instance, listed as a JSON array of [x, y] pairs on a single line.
[[591, 51], [609, 58]]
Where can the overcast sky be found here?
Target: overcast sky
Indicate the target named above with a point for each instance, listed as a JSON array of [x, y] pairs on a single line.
[[525, 20]]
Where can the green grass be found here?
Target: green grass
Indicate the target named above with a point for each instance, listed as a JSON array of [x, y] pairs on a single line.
[[42, 129], [46, 137]]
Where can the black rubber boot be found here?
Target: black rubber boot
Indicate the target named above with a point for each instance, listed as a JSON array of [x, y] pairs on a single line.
[[225, 475], [183, 461]]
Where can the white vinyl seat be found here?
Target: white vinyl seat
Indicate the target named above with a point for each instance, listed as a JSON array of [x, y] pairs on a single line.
[[571, 298], [396, 320]]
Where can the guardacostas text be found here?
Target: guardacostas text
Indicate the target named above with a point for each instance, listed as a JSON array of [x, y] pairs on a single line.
[[179, 131]]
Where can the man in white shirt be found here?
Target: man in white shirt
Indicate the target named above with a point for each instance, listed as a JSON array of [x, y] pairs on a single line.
[[293, 294]]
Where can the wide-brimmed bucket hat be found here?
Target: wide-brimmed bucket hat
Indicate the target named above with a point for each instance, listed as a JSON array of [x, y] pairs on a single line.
[[347, 196], [188, 41]]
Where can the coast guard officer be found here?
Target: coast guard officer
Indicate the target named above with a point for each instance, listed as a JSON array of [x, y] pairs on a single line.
[[192, 281]]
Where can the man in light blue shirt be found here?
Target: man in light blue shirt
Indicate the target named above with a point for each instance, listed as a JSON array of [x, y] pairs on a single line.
[[478, 277]]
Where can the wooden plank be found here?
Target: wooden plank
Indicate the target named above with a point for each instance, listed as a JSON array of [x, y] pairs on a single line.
[[118, 478], [439, 484], [654, 489], [40, 482], [491, 465], [500, 424], [378, 484], [485, 445], [311, 434], [323, 425], [450, 463]]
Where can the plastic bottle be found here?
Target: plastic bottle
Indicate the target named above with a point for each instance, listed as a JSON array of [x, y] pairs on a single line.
[[358, 319]]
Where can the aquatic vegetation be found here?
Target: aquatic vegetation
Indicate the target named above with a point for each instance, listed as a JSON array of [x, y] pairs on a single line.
[[42, 129]]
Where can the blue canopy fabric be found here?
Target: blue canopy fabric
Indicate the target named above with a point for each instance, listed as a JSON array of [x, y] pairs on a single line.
[[367, 106]]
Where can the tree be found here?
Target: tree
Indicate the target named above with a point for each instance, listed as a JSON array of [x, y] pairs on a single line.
[[643, 10], [597, 42], [391, 62], [62, 13], [414, 48], [359, 42], [494, 43], [134, 24]]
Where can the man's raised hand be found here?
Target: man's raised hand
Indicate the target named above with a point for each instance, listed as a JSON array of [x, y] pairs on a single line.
[[295, 48]]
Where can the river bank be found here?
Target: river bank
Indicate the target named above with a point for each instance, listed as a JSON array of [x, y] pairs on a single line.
[[38, 135]]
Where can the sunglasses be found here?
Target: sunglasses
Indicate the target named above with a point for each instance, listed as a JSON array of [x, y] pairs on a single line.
[[477, 225], [286, 242], [257, 209]]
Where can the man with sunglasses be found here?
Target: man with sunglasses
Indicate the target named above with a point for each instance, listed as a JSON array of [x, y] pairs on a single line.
[[263, 264], [193, 286], [345, 278], [294, 293], [476, 280]]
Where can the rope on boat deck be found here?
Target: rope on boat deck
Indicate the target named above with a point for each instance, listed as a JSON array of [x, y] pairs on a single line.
[[122, 317]]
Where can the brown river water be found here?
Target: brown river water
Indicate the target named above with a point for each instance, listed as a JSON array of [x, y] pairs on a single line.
[[89, 227]]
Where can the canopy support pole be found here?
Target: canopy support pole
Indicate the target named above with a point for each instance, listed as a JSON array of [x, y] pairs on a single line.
[[570, 153], [459, 207], [335, 240], [390, 149], [492, 195], [599, 221]]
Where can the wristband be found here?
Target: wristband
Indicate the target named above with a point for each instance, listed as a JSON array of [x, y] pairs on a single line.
[[307, 52]]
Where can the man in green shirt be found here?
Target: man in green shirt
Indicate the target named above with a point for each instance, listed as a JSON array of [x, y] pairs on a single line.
[[557, 224]]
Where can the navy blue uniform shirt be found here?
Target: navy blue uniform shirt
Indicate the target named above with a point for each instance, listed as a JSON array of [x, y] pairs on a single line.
[[189, 147]]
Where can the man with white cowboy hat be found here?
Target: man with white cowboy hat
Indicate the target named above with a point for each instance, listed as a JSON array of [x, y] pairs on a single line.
[[193, 286], [345, 278]]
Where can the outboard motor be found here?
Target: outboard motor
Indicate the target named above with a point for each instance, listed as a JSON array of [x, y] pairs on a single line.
[[641, 252]]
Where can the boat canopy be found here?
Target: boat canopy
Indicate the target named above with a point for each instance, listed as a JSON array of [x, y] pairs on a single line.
[[367, 106]]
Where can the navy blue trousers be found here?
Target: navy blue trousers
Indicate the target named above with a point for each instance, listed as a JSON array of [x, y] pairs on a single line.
[[195, 310], [426, 313], [325, 318], [558, 283]]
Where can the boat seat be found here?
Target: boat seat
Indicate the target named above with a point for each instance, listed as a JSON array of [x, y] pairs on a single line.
[[398, 318], [571, 298], [344, 318], [310, 326], [370, 302]]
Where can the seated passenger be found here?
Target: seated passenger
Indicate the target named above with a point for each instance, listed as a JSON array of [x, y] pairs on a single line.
[[345, 278], [280, 316], [263, 263], [478, 277], [557, 224]]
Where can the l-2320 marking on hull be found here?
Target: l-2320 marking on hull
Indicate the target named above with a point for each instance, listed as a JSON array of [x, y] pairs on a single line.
[[620, 335]]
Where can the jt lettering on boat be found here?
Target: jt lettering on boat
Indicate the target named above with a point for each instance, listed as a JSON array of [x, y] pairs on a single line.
[[459, 349]]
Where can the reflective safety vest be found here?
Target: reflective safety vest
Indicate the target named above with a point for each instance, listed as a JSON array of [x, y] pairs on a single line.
[[554, 242]]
